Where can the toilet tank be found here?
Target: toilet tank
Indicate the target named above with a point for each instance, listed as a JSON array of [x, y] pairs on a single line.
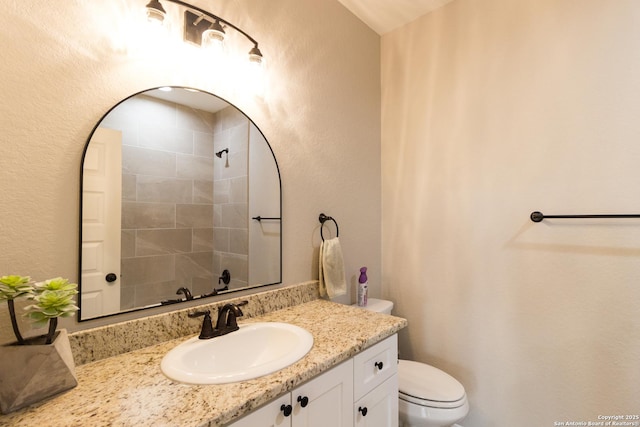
[[378, 305]]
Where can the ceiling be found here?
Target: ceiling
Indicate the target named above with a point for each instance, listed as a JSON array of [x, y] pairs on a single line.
[[386, 15], [193, 98]]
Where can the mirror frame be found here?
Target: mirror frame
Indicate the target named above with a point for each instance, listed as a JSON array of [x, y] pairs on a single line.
[[178, 304]]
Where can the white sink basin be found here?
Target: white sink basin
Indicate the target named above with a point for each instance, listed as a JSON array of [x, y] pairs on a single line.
[[256, 349]]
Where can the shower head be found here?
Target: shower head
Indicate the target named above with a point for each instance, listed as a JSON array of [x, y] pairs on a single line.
[[219, 153]]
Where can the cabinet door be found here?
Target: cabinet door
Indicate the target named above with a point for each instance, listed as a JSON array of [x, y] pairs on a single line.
[[270, 415], [326, 400], [378, 408]]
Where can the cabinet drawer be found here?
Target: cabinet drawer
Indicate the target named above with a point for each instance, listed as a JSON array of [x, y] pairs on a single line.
[[379, 407], [374, 365]]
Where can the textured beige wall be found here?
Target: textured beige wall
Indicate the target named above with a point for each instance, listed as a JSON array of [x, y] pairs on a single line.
[[493, 109], [64, 66]]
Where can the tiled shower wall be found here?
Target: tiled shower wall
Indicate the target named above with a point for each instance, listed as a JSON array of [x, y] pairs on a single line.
[[230, 203], [168, 160]]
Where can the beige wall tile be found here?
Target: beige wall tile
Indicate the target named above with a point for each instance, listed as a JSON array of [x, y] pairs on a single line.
[[238, 192], [195, 167], [194, 216], [221, 191], [238, 241], [203, 192], [148, 215], [129, 187], [154, 293], [195, 264], [165, 241], [202, 239], [159, 136], [136, 160], [221, 239], [136, 271], [128, 243], [203, 144], [165, 190], [234, 215]]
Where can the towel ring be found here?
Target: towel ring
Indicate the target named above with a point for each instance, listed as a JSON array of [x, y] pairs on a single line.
[[324, 218]]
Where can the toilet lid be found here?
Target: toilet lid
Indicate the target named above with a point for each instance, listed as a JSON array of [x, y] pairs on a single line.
[[378, 305], [425, 382]]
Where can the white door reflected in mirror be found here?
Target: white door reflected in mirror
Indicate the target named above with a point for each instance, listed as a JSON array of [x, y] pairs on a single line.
[[101, 205]]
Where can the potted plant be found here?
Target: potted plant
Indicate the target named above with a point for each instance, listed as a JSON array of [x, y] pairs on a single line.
[[36, 368]]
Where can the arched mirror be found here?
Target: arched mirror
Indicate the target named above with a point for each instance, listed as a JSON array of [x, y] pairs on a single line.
[[180, 199]]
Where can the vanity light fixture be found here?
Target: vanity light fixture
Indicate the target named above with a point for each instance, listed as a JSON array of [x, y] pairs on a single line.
[[203, 28]]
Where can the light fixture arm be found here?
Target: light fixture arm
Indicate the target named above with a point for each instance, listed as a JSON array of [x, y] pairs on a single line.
[[215, 17]]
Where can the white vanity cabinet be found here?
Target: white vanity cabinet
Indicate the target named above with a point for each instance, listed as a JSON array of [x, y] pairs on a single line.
[[366, 384]]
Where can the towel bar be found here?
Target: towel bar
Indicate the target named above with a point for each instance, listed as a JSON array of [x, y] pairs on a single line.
[[539, 216], [265, 218], [324, 218]]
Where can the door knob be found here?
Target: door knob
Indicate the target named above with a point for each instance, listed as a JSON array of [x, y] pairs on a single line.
[[111, 277], [363, 410]]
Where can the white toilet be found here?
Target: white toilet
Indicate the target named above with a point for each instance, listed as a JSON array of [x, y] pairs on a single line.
[[428, 397]]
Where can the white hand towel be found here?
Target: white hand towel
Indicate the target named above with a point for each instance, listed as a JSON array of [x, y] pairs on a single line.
[[331, 269]]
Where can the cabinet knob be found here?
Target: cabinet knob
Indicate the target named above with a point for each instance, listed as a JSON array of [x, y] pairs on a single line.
[[286, 409], [363, 411], [111, 277], [379, 365], [304, 401]]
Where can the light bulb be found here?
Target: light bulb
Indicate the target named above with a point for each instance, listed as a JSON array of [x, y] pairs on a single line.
[[213, 36], [155, 12], [255, 57]]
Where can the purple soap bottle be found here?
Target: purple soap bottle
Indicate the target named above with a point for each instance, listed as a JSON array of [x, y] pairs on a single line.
[[363, 285]]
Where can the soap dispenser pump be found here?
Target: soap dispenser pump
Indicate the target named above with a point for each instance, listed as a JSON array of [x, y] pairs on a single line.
[[363, 285]]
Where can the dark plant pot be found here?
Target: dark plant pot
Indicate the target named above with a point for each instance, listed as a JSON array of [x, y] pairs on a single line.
[[35, 371]]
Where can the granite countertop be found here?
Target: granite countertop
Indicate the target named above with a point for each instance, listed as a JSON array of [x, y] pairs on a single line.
[[131, 390]]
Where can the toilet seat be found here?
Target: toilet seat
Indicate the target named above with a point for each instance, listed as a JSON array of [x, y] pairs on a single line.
[[432, 403], [427, 386]]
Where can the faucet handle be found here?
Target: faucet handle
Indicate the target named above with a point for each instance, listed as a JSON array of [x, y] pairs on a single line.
[[207, 328]]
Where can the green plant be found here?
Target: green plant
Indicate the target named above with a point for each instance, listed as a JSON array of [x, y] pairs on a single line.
[[12, 287], [52, 298]]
